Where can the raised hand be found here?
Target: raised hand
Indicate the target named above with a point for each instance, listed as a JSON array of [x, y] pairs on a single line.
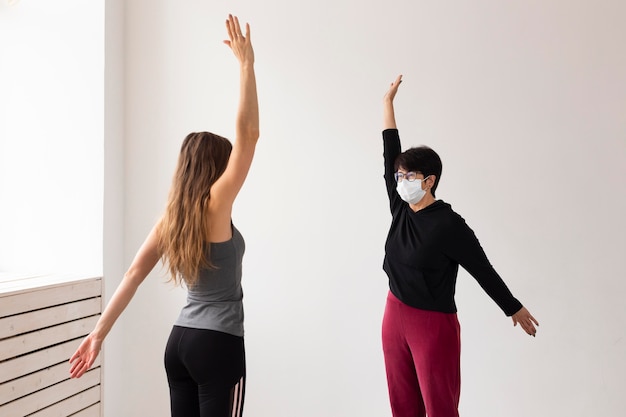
[[393, 89], [389, 118], [239, 44], [526, 320]]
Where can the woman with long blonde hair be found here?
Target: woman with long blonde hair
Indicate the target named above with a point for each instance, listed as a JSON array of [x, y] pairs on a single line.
[[196, 239]]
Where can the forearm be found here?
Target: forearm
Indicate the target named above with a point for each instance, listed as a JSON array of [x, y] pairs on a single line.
[[247, 127], [144, 262], [118, 303], [389, 118], [88, 351], [391, 150], [498, 291], [472, 257]]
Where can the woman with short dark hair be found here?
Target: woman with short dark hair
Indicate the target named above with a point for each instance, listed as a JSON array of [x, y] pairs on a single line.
[[427, 242]]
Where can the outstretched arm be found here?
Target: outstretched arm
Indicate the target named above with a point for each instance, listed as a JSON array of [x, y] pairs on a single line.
[[464, 247], [389, 118], [228, 185], [88, 351]]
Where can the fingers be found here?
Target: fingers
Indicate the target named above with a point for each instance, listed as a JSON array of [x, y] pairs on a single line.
[[234, 28], [396, 83], [83, 358], [79, 370], [237, 27], [528, 327], [525, 319], [534, 320], [229, 28], [76, 369], [81, 366], [237, 42]]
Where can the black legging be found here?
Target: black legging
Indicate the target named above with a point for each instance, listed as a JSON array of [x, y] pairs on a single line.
[[206, 372]]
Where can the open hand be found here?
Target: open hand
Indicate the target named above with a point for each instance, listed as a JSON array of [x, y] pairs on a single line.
[[239, 44], [526, 320], [84, 356], [393, 89]]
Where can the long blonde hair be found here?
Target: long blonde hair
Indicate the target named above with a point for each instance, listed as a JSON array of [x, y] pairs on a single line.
[[183, 228]]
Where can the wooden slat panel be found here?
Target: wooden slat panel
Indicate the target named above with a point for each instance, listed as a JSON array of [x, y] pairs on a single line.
[[75, 404], [51, 395], [26, 343], [93, 411], [38, 319], [32, 362], [28, 384], [42, 322], [37, 299]]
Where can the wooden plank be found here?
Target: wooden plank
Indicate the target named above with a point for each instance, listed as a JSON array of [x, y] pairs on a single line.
[[93, 411], [30, 342], [41, 359], [28, 384], [75, 405], [10, 285], [39, 319], [51, 395], [47, 297]]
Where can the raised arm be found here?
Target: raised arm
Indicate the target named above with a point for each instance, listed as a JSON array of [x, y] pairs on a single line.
[[391, 144], [144, 261], [228, 185], [389, 117]]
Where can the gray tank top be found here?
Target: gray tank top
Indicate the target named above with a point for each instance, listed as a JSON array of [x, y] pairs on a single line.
[[215, 301]]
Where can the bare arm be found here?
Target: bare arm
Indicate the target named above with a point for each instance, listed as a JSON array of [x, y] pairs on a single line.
[[227, 187], [144, 261], [389, 118]]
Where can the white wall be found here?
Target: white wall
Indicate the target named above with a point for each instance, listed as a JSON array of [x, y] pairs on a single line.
[[114, 188], [51, 122], [524, 101]]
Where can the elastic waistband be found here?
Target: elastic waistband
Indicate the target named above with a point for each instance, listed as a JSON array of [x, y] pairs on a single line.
[[393, 299]]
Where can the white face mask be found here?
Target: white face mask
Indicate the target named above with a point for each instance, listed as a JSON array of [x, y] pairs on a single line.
[[411, 191]]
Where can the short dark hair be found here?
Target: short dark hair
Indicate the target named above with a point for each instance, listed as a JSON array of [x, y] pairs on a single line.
[[422, 160]]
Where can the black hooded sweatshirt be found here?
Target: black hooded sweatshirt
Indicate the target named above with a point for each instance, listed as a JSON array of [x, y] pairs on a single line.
[[425, 248]]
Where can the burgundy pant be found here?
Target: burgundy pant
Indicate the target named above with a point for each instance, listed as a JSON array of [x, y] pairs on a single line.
[[422, 357]]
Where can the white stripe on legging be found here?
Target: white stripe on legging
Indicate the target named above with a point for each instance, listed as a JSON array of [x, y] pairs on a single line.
[[237, 398]]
